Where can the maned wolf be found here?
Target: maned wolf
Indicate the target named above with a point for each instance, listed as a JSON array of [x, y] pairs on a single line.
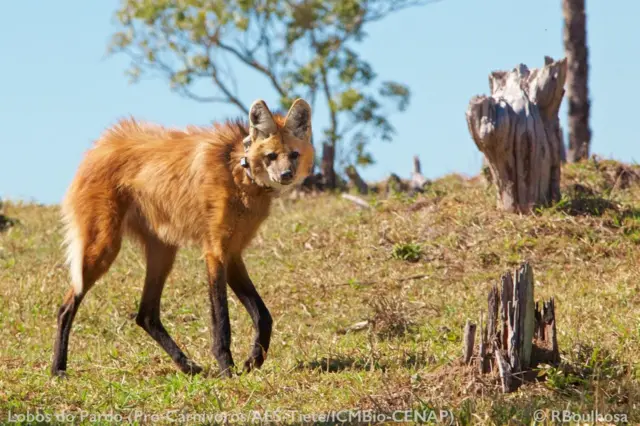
[[166, 188]]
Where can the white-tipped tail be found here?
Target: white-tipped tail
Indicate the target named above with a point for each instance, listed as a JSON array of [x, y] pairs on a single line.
[[74, 246]]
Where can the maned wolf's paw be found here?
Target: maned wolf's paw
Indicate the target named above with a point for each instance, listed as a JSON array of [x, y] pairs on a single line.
[[254, 362], [62, 374], [191, 368], [226, 373], [226, 364]]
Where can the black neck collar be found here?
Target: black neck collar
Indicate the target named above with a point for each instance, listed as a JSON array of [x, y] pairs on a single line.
[[244, 162]]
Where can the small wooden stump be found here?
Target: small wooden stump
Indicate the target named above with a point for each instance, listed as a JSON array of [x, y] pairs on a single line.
[[356, 180], [394, 183], [326, 166], [469, 338], [519, 333], [518, 130], [418, 181]]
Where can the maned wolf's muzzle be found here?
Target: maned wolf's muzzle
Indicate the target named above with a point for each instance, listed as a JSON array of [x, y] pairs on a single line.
[[286, 177]]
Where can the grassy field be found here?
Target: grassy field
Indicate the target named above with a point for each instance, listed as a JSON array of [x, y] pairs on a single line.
[[414, 268]]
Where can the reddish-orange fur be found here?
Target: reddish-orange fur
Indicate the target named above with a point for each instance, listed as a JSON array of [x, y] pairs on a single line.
[[168, 188]]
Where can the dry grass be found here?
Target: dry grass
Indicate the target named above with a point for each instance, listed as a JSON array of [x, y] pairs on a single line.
[[411, 269]]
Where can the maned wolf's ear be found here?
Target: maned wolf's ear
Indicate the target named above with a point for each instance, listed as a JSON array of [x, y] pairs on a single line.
[[261, 121], [298, 120]]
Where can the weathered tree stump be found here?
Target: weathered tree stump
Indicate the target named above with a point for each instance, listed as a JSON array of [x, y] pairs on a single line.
[[518, 131], [312, 185], [326, 167], [395, 184], [469, 338], [356, 180], [418, 182], [518, 335]]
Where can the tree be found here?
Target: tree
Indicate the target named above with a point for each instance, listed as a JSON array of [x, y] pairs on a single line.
[[575, 45], [302, 48]]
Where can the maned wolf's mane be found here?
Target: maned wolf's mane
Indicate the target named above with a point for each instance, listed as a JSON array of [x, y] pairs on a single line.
[[240, 126], [230, 131]]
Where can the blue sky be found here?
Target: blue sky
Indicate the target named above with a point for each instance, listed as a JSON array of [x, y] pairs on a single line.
[[59, 89]]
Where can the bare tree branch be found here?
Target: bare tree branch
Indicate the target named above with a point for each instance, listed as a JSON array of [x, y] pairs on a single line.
[[253, 64], [233, 99], [204, 99]]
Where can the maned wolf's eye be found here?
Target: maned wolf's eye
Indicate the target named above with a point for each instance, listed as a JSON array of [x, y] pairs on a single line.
[[294, 155], [272, 156]]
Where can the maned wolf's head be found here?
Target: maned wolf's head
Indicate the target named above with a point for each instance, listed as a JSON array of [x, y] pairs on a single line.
[[281, 152]]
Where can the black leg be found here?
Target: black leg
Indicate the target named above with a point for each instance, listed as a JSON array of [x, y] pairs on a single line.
[[220, 325], [66, 314], [262, 323], [150, 322], [159, 262]]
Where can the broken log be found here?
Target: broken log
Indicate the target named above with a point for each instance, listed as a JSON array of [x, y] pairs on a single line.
[[417, 169], [518, 130], [545, 334], [326, 168], [527, 321], [357, 200], [519, 335], [395, 184], [356, 180], [504, 369], [418, 181], [492, 318], [483, 362], [469, 339], [313, 182], [310, 186]]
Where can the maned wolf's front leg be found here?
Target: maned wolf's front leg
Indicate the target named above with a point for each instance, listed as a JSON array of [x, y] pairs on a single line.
[[220, 325], [245, 290]]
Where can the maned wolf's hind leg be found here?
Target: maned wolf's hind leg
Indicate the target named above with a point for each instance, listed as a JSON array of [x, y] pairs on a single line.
[[66, 314], [160, 258], [220, 324], [242, 286], [88, 262]]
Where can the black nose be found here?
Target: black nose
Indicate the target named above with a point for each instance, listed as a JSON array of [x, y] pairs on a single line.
[[286, 175]]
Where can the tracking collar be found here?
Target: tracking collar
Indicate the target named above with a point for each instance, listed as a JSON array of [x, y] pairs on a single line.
[[244, 162], [246, 143]]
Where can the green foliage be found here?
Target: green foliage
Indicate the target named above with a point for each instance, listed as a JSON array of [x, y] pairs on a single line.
[[559, 379], [301, 48], [410, 252]]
